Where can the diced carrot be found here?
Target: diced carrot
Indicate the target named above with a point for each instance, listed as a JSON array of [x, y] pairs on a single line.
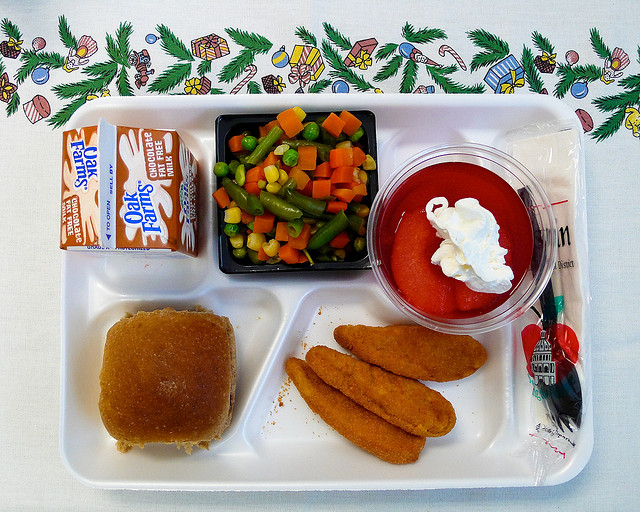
[[290, 122], [360, 189], [341, 156], [342, 174], [222, 197], [333, 124], [359, 156], [307, 157], [262, 256], [300, 242], [252, 187], [235, 143], [301, 177], [321, 189], [246, 217], [336, 206], [351, 122], [323, 171], [282, 235], [303, 258], [271, 159], [308, 189], [289, 254], [340, 240], [264, 223], [263, 130], [255, 174], [343, 194]]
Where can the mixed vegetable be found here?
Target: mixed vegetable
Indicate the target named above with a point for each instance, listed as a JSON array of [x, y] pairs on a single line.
[[293, 192]]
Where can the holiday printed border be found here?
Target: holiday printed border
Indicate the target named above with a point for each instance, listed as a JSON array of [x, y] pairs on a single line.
[[232, 61]]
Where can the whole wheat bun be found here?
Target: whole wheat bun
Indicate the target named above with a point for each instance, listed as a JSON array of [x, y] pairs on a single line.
[[168, 377]]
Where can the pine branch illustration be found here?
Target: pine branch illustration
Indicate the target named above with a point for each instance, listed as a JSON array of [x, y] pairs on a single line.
[[386, 51], [217, 90], [112, 50], [66, 37], [597, 43], [341, 70], [81, 89], [571, 74], [251, 41], [449, 86], [531, 74], [336, 37], [10, 29], [31, 60], [204, 67], [171, 77], [609, 127], [102, 69], [235, 68], [253, 87], [14, 103], [542, 43], [424, 35], [495, 49], [620, 101], [63, 115], [306, 36], [123, 84], [409, 76], [123, 34], [630, 82], [390, 69], [172, 45], [319, 86]]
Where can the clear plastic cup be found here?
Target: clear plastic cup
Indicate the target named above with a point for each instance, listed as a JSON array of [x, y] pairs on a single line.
[[526, 292]]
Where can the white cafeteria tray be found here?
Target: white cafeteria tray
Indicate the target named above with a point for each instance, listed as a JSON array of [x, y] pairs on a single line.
[[275, 442]]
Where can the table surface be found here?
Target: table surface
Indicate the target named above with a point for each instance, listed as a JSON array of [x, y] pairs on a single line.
[[539, 36]]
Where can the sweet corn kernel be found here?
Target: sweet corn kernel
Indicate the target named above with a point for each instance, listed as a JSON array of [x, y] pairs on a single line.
[[369, 163], [271, 247], [237, 241], [300, 113], [363, 211], [232, 215], [262, 184], [280, 150], [363, 176], [273, 188], [344, 144], [255, 241], [272, 173], [282, 179], [340, 253]]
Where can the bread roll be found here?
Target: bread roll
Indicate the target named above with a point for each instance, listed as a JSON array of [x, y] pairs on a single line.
[[168, 377]]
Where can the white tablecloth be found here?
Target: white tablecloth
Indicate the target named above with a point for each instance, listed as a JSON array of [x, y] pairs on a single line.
[[32, 476]]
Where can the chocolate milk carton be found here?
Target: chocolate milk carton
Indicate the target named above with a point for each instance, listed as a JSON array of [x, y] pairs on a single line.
[[128, 189]]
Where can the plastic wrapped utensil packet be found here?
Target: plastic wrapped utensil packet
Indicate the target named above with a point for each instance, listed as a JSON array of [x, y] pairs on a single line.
[[554, 333]]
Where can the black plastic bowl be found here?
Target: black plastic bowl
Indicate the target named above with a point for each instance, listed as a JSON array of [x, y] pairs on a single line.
[[229, 125]]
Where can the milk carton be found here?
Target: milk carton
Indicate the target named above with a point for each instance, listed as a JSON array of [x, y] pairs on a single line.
[[128, 189]]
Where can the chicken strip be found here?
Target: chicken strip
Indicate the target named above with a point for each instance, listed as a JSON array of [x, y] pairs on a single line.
[[404, 402], [414, 351], [360, 426]]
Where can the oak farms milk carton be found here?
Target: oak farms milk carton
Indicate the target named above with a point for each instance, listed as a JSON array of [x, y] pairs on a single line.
[[128, 189]]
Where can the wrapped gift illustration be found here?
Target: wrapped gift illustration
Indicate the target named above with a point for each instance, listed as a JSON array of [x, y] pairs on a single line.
[[209, 47], [273, 84], [198, 85], [36, 109], [306, 64], [11, 48], [360, 54], [505, 76], [6, 88]]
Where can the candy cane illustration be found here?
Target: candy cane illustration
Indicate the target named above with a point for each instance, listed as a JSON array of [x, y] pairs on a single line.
[[251, 70], [446, 48]]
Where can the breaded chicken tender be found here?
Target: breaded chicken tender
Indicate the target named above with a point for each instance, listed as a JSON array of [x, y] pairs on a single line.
[[414, 351], [404, 402], [360, 426]]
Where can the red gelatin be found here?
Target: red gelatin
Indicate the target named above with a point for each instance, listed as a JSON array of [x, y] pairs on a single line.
[[407, 239]]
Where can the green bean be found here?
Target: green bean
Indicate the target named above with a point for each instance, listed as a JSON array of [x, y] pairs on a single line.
[[323, 149], [279, 207], [294, 227], [248, 202], [307, 204], [240, 175], [233, 165], [329, 231], [264, 145], [253, 256], [356, 223], [357, 135]]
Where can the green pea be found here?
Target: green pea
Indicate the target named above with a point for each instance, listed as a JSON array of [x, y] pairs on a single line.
[[231, 229], [359, 244], [221, 169], [239, 253], [311, 131], [290, 157], [249, 142]]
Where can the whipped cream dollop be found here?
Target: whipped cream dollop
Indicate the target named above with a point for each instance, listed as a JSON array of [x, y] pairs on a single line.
[[469, 251]]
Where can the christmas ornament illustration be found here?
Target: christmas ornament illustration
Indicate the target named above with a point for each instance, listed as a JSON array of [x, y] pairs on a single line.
[[38, 44], [571, 57], [280, 58], [408, 51]]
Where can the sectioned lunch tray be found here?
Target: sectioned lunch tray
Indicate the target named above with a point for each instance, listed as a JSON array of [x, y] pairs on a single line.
[[275, 442]]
